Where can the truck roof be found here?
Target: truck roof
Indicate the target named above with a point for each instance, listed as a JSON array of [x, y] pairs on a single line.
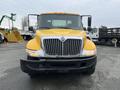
[[62, 13]]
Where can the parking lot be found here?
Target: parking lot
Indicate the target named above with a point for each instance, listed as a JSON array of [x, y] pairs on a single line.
[[106, 76]]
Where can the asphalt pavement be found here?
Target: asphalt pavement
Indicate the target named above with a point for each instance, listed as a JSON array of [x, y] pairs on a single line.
[[106, 76]]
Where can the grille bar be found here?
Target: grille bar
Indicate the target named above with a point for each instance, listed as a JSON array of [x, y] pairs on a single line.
[[54, 46]]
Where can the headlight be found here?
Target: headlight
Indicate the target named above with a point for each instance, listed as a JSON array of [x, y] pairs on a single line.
[[89, 52], [35, 53]]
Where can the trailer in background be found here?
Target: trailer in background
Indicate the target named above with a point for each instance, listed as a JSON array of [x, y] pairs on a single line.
[[109, 34], [105, 35]]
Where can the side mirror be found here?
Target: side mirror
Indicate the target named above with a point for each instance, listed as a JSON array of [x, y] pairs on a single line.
[[89, 21], [89, 29], [31, 28], [89, 24]]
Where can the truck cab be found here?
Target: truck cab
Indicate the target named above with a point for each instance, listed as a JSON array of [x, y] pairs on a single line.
[[60, 45]]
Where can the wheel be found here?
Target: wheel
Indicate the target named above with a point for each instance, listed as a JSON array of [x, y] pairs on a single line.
[[24, 37], [5, 40], [89, 71], [29, 37]]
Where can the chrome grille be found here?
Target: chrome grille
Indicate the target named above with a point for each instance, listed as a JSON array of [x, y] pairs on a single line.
[[72, 47], [53, 46], [57, 47]]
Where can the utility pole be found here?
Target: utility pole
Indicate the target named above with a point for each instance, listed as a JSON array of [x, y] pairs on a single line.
[[13, 19]]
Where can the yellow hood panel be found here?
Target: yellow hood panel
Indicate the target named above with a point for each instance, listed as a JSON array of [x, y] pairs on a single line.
[[61, 32], [35, 43]]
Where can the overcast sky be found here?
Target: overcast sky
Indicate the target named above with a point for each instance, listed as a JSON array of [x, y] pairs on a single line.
[[104, 12]]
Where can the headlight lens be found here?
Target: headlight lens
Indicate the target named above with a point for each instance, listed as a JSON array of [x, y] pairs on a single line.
[[35, 53], [89, 52]]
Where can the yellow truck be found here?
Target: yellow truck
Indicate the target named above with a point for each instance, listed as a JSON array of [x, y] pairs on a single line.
[[60, 45], [10, 35]]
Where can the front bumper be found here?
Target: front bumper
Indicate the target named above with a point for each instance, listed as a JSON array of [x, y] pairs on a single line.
[[75, 64]]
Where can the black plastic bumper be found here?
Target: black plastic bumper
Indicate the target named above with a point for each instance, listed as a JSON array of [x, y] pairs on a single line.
[[75, 64]]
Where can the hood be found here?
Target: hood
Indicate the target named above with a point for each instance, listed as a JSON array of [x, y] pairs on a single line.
[[61, 32]]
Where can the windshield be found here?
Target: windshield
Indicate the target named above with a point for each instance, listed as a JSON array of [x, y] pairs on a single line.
[[59, 21]]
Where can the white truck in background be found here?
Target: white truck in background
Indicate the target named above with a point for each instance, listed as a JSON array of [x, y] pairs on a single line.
[[27, 22], [94, 34], [27, 34]]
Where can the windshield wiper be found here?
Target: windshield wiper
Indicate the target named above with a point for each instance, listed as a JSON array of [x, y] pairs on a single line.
[[56, 27], [64, 27], [45, 27]]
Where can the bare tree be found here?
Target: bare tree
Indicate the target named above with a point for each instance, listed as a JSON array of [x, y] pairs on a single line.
[[24, 23]]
